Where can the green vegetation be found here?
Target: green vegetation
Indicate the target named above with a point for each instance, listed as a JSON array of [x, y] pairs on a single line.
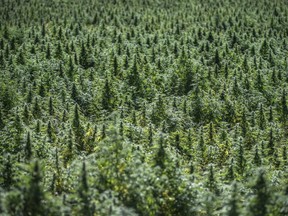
[[129, 107]]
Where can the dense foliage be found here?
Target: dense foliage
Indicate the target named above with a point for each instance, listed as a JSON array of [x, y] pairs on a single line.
[[143, 107]]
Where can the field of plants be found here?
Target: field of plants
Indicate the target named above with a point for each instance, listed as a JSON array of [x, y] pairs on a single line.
[[143, 107]]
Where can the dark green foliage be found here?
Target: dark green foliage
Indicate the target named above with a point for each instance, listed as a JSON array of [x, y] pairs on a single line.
[[259, 83], [167, 102], [74, 93], [257, 158], [134, 76], [83, 190], [160, 156], [230, 173], [21, 58], [264, 48], [233, 208], [29, 96], [211, 182], [68, 150], [70, 68], [28, 147], [61, 73], [217, 60], [83, 57], [17, 124], [77, 128], [51, 108], [284, 154], [244, 123], [240, 160], [33, 203], [48, 52], [58, 51], [188, 80], [2, 123], [107, 96], [197, 109], [36, 109], [50, 132], [150, 136], [159, 109], [38, 127], [115, 65], [201, 147], [76, 119], [271, 118], [262, 118], [271, 145], [7, 173], [284, 106], [7, 98], [261, 199]]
